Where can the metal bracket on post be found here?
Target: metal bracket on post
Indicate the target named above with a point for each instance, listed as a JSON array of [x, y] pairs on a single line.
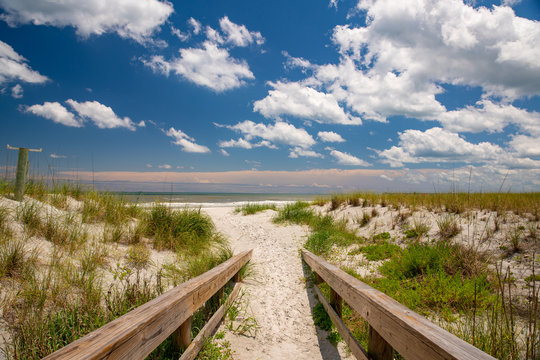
[[22, 164]]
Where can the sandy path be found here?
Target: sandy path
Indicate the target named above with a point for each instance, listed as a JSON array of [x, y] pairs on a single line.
[[277, 295]]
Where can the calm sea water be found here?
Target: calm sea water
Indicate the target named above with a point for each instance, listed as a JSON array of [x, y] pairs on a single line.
[[178, 199]]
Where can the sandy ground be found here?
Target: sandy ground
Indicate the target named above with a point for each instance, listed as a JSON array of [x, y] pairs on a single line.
[[276, 296]]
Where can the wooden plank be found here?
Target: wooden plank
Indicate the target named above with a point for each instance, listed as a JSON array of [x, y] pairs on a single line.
[[412, 335], [137, 333], [197, 343], [378, 348], [349, 339]]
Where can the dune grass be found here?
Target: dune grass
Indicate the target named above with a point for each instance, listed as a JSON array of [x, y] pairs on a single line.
[[519, 203], [56, 298], [448, 282], [253, 208]]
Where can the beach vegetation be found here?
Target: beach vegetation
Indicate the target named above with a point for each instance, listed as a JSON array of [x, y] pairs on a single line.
[[81, 282], [185, 230], [253, 208]]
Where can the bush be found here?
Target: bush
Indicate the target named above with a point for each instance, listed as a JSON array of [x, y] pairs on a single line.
[[297, 213]]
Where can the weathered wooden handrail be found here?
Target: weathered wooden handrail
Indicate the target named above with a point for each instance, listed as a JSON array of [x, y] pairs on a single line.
[[137, 333], [391, 325]]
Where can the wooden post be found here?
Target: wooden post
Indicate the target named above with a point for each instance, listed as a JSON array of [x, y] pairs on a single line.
[[22, 163], [318, 279], [182, 335], [336, 301], [237, 277], [378, 348]]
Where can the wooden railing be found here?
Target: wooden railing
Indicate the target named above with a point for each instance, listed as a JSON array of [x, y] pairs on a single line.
[[391, 325], [137, 333]]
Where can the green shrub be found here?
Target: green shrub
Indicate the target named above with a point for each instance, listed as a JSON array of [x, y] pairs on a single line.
[[380, 251], [297, 213], [250, 209], [185, 230]]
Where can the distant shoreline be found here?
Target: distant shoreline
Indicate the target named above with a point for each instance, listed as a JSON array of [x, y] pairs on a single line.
[[202, 199]]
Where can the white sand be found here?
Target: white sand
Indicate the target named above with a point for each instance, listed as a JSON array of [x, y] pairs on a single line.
[[277, 294]]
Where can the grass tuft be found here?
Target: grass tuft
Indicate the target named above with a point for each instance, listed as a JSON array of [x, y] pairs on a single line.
[[250, 209]]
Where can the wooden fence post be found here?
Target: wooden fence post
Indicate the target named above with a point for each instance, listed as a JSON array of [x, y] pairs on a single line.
[[20, 180], [378, 348], [182, 336], [336, 301]]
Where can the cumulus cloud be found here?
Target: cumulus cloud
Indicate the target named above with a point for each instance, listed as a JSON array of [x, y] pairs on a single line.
[[245, 144], [280, 132], [239, 35], [440, 145], [186, 142], [298, 151], [165, 166], [211, 64], [17, 91], [491, 117], [330, 136], [196, 25], [135, 19], [56, 112], [344, 158], [295, 99], [14, 67], [396, 63], [525, 145], [449, 41], [101, 115], [224, 152]]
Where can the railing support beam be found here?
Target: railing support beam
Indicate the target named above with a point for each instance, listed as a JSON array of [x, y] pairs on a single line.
[[378, 348], [182, 336], [336, 301]]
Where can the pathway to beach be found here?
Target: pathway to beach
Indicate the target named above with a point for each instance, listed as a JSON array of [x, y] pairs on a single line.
[[276, 295]]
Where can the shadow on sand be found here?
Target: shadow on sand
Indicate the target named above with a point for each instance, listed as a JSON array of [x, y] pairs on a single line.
[[328, 351]]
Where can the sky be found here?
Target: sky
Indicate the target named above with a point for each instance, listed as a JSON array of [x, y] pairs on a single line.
[[312, 96]]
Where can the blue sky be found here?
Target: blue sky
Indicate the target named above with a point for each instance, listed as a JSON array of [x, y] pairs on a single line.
[[282, 96]]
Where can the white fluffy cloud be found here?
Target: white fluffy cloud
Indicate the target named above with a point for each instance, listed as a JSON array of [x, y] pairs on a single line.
[[17, 91], [14, 67], [196, 25], [490, 117], [298, 151], [56, 112], [239, 35], [186, 142], [330, 136], [280, 132], [344, 158], [440, 145], [165, 166], [395, 64], [209, 66], [448, 41], [295, 99], [526, 145], [136, 19], [101, 115]]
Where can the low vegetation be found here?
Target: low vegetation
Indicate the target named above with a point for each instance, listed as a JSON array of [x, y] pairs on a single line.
[[72, 260], [446, 275], [253, 208]]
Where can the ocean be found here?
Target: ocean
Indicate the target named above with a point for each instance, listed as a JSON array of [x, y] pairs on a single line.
[[194, 200]]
